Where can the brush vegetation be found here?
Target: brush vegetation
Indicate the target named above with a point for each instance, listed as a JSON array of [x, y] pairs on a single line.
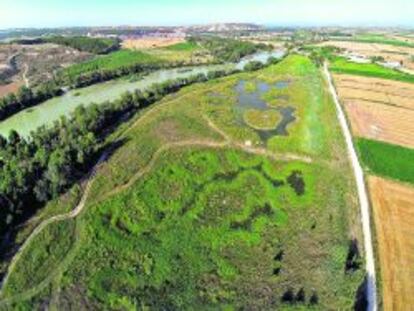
[[184, 216]]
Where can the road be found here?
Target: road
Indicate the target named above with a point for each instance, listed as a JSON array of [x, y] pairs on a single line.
[[363, 198]]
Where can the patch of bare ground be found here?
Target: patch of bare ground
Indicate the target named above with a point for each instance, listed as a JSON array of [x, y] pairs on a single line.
[[10, 88], [150, 42], [381, 122], [377, 108], [393, 209]]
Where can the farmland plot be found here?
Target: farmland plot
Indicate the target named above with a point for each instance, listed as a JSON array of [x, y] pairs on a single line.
[[393, 208]]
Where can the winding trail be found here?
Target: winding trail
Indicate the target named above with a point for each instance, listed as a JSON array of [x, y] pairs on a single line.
[[363, 198], [25, 79], [72, 214]]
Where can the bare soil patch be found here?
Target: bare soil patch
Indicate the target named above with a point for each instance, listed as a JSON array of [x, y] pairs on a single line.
[[377, 108], [10, 88], [381, 122], [393, 208], [150, 42]]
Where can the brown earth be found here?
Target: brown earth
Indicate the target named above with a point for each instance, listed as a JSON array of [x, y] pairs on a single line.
[[378, 109], [39, 61], [393, 209], [10, 88], [150, 42], [381, 122]]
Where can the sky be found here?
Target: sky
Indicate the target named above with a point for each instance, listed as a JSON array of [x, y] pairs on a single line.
[[62, 13]]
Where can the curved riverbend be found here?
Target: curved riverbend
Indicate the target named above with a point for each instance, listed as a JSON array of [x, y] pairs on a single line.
[[51, 110]]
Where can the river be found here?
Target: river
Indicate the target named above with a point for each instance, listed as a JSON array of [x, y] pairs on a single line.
[[51, 110]]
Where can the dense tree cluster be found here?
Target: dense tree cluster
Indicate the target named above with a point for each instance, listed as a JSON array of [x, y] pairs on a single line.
[[102, 75], [27, 97], [81, 43], [39, 168], [228, 50]]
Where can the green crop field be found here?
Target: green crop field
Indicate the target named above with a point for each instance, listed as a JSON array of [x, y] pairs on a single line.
[[341, 65], [374, 38], [184, 46], [113, 61], [196, 210], [387, 160], [381, 39]]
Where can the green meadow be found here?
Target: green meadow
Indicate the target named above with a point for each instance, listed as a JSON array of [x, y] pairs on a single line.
[[341, 65], [195, 211], [387, 160]]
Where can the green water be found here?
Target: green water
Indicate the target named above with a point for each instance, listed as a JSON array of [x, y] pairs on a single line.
[[51, 110]]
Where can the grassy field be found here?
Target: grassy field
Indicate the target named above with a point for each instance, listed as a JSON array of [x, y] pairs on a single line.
[[186, 215], [381, 39], [113, 61], [387, 160], [376, 39], [184, 46], [262, 120], [341, 65]]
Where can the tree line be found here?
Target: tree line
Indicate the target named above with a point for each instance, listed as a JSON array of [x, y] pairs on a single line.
[[27, 97], [80, 43], [36, 169], [228, 50]]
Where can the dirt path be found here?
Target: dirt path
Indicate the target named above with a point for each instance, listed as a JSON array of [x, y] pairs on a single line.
[[25, 71], [226, 143], [363, 198], [72, 214]]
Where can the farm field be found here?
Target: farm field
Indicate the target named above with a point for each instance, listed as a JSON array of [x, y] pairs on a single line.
[[381, 122], [387, 160], [378, 109], [341, 65], [381, 39], [389, 92], [150, 42], [381, 111], [393, 54], [198, 209], [393, 209]]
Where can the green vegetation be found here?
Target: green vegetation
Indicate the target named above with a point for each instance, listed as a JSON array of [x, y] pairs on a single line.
[[227, 50], [184, 216], [262, 120], [120, 62], [381, 39], [184, 46], [85, 44], [43, 256], [52, 159], [387, 160], [341, 65], [27, 97]]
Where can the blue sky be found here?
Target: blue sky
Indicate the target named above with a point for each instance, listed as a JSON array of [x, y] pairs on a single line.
[[57, 13]]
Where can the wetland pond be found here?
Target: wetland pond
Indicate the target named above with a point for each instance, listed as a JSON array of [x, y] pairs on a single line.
[[248, 100], [51, 110]]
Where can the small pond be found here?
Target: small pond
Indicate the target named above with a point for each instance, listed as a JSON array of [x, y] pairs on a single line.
[[252, 100]]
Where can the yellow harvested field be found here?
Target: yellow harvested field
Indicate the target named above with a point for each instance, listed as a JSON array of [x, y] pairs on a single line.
[[390, 53], [395, 93], [381, 122], [393, 209], [150, 42], [377, 108]]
